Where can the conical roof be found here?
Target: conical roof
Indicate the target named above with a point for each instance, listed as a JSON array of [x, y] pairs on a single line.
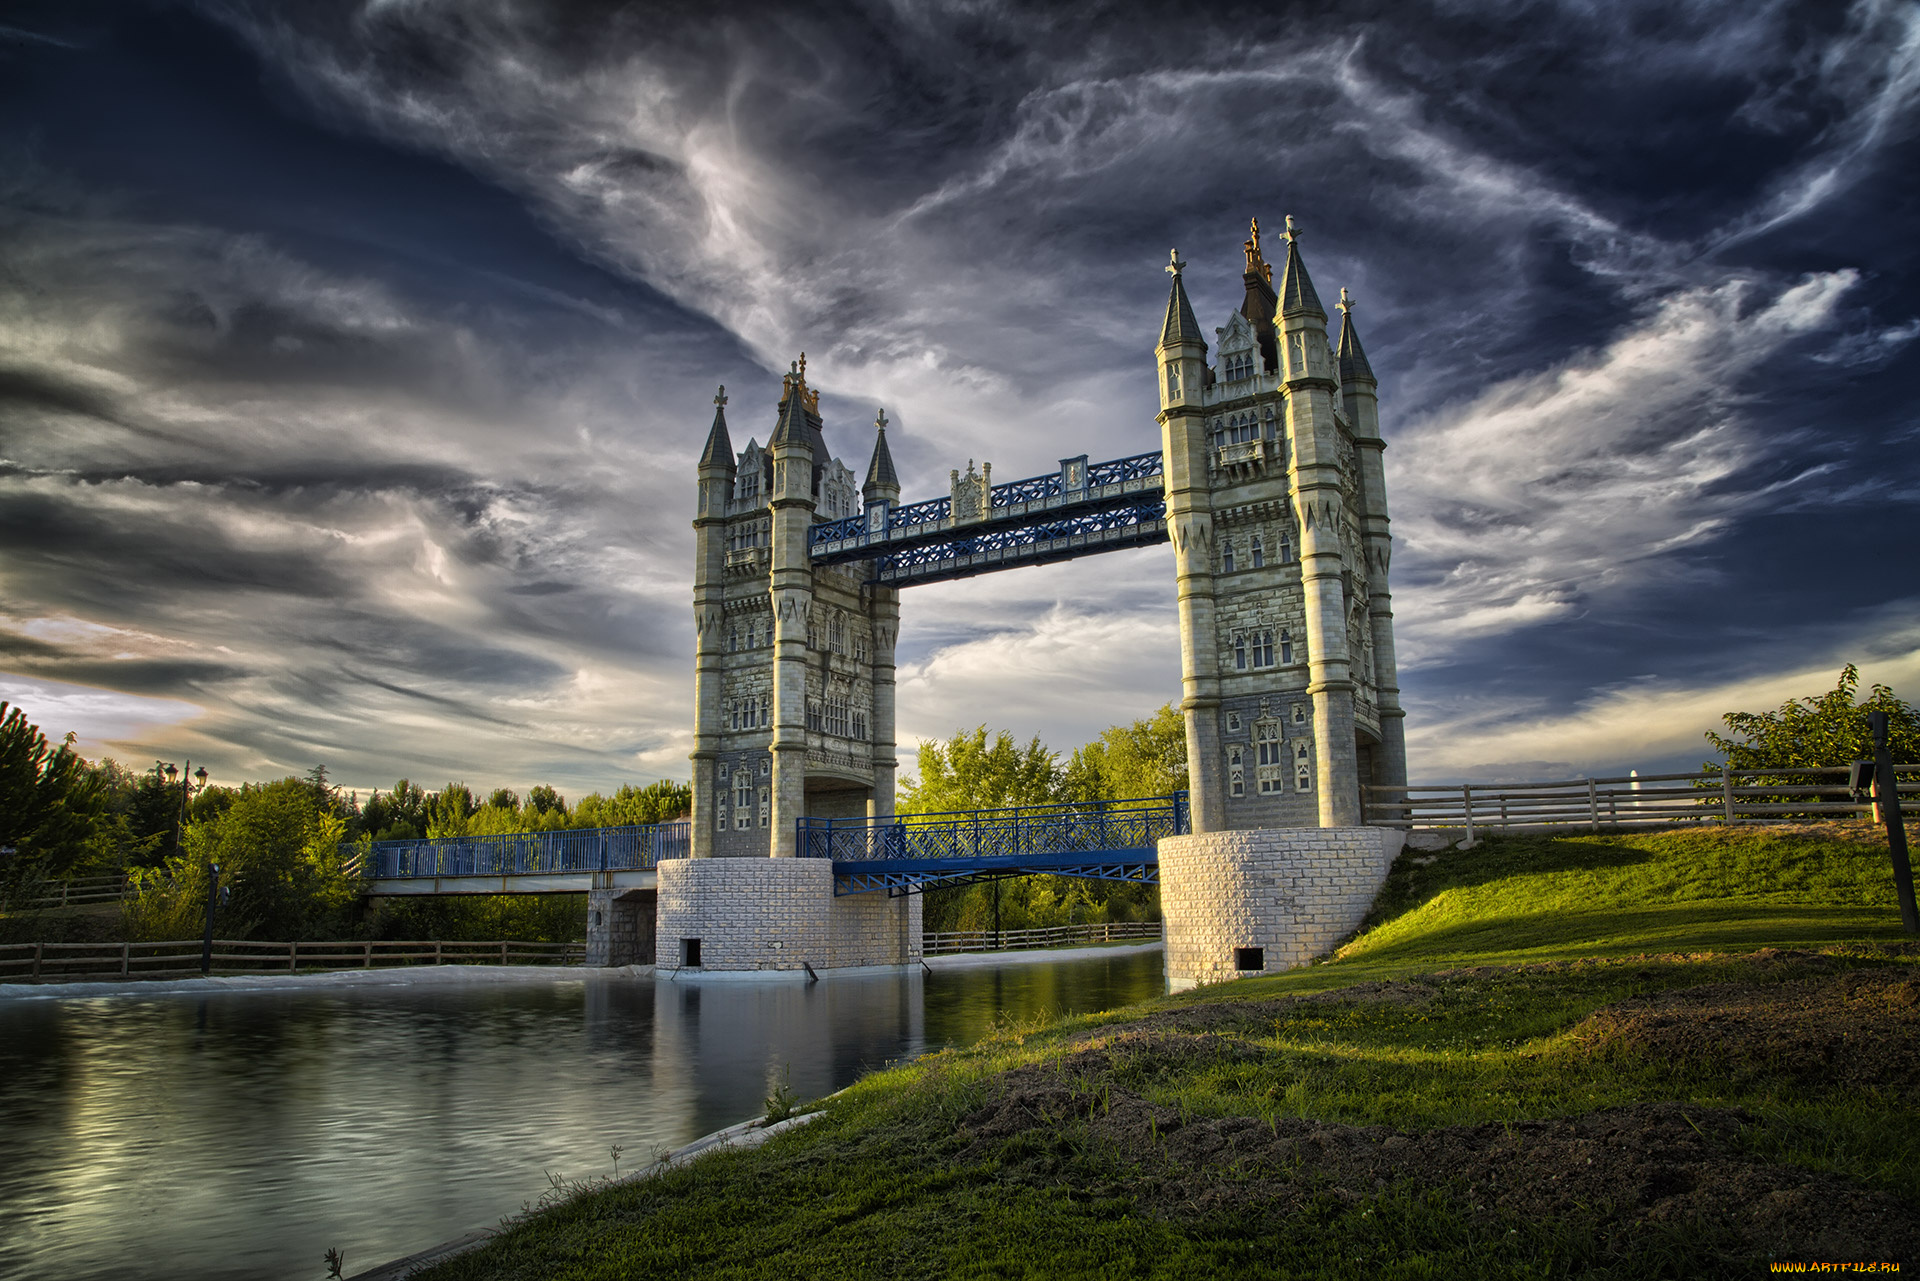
[[1297, 297], [1180, 326], [719, 450], [793, 427], [1353, 359], [880, 472]]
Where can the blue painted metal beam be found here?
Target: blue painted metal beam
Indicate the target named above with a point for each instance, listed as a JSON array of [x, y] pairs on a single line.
[[1067, 513]]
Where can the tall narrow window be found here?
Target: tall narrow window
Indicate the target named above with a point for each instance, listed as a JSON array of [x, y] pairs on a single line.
[[1269, 764], [1263, 650], [766, 807], [1239, 653], [743, 801], [1302, 770], [1259, 555], [1286, 649], [1226, 558], [766, 710], [1236, 774], [1173, 382]]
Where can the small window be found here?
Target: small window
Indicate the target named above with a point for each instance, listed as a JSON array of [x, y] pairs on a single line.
[[1239, 653], [1286, 649], [1285, 549], [1259, 557], [766, 710], [1226, 557], [723, 773], [766, 807], [733, 639], [1263, 650], [1173, 381], [1300, 715], [1233, 720], [766, 768], [690, 954], [1249, 958]]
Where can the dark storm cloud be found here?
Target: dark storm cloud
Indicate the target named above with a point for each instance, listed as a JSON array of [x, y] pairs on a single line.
[[401, 317]]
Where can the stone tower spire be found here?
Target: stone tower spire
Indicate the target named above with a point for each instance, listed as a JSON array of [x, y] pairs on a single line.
[[1184, 443], [791, 589], [883, 483], [716, 473], [1261, 301], [1320, 501]]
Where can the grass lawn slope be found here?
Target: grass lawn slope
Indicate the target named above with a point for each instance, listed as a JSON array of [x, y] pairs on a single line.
[[1678, 1054]]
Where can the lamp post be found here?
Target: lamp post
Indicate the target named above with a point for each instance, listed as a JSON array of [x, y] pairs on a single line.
[[192, 782]]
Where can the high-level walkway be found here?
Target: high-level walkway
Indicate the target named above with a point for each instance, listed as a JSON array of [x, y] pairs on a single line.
[[1106, 840]]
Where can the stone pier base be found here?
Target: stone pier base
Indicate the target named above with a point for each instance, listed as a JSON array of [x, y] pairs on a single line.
[[732, 915], [620, 927], [1261, 901]]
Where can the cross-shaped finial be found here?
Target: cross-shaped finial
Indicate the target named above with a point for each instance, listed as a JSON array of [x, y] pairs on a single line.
[[803, 364], [1174, 265], [1346, 302], [1292, 230], [720, 397], [880, 421]]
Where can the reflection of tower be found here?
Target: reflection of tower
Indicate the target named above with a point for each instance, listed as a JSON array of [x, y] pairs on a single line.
[[1276, 504], [794, 664]]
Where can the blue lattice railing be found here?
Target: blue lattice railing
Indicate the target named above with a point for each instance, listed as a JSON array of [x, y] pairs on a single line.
[[592, 849], [1021, 833]]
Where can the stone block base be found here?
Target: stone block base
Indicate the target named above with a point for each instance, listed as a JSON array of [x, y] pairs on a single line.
[[775, 914], [620, 927], [1270, 899]]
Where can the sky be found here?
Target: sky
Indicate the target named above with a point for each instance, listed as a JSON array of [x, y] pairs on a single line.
[[355, 358]]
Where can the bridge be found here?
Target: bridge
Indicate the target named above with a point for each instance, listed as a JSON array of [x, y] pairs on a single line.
[[903, 854]]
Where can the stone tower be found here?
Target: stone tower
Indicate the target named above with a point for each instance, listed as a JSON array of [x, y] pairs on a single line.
[[1276, 505], [794, 663]]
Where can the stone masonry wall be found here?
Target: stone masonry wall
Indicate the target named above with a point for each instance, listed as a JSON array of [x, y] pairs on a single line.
[[776, 914], [620, 927], [1292, 892]]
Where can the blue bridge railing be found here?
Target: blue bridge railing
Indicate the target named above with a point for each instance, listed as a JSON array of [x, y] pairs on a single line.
[[1027, 834], [590, 849]]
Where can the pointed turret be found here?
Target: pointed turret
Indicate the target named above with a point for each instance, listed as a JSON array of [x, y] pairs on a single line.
[[1353, 359], [1180, 327], [1260, 302], [719, 450], [882, 481], [1297, 297], [792, 429]]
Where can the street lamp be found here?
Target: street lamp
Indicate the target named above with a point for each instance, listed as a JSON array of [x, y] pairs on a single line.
[[191, 784]]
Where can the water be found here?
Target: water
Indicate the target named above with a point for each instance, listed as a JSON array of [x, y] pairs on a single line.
[[240, 1135]]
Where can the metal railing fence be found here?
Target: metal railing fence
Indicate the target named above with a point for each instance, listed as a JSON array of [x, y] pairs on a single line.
[[590, 849], [948, 941], [1714, 796], [1095, 827], [180, 958]]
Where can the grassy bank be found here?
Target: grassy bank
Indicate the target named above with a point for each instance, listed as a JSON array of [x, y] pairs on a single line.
[[1654, 1055]]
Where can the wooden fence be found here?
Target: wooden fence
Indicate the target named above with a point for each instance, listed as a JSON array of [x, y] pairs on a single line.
[[78, 891], [66, 962], [934, 944], [1736, 796]]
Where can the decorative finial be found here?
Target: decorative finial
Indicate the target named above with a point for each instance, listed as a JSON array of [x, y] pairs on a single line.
[[1346, 303], [1254, 261], [880, 421], [1174, 265], [803, 366], [1292, 230], [720, 397]]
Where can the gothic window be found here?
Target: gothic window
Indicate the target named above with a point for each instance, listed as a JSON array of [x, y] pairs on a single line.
[[1286, 550], [860, 725], [766, 807], [1300, 715], [813, 715], [1173, 381], [859, 649], [1226, 558], [766, 767], [742, 801], [766, 709], [837, 635], [733, 639], [1269, 764], [1263, 650], [720, 814], [1233, 720], [733, 710], [1302, 770], [1286, 649], [1236, 773], [1239, 653], [1259, 552]]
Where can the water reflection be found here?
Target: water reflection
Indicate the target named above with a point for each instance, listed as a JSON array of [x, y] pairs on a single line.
[[242, 1134]]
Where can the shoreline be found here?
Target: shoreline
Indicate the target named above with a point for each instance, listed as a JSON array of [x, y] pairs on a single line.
[[485, 975]]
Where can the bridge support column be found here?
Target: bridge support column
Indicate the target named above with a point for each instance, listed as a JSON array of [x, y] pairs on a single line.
[[748, 915], [1268, 899], [620, 927]]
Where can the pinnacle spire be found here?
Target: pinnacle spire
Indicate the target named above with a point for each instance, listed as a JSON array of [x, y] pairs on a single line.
[[792, 427], [1297, 297], [719, 450], [1353, 360], [1180, 326], [880, 472]]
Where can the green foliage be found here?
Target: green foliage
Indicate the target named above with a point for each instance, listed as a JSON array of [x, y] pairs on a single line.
[[400, 815], [503, 798], [449, 810], [277, 845], [1146, 758], [1818, 733], [658, 802], [967, 772], [53, 806], [536, 918]]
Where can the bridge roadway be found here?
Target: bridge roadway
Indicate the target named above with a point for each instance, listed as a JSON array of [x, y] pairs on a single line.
[[1110, 840]]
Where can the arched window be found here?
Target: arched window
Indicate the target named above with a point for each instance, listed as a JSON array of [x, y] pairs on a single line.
[[1259, 553], [1269, 764], [1286, 649], [1285, 549], [1239, 653], [733, 639], [1302, 770], [1263, 650], [1226, 557], [766, 717], [1173, 381]]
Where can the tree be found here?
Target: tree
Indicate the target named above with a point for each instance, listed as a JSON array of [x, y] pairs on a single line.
[[659, 802], [1146, 758], [544, 800], [503, 798], [53, 806], [1817, 733], [448, 812], [967, 773]]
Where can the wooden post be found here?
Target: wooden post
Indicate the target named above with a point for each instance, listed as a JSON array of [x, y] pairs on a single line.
[[1886, 789], [1726, 792], [1593, 806], [368, 963], [37, 949], [126, 959], [436, 951], [293, 955], [503, 951], [1466, 797]]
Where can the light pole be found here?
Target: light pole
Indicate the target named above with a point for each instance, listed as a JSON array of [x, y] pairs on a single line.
[[191, 784]]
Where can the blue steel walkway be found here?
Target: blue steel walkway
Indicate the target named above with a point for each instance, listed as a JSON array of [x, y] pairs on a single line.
[[1105, 840]]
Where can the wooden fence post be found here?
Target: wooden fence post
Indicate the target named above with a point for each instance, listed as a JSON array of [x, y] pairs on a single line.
[[37, 949], [503, 951], [293, 955], [1466, 796], [368, 963], [1726, 793], [1593, 806], [436, 951], [126, 959]]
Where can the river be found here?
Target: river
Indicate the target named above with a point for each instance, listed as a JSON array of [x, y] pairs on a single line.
[[242, 1134]]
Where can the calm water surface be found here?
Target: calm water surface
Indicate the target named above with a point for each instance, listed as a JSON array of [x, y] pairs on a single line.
[[241, 1134]]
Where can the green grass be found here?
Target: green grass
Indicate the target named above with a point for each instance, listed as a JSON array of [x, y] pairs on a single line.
[[1514, 945]]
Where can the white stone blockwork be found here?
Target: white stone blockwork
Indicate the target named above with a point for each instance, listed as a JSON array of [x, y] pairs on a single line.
[[1290, 893], [778, 914]]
